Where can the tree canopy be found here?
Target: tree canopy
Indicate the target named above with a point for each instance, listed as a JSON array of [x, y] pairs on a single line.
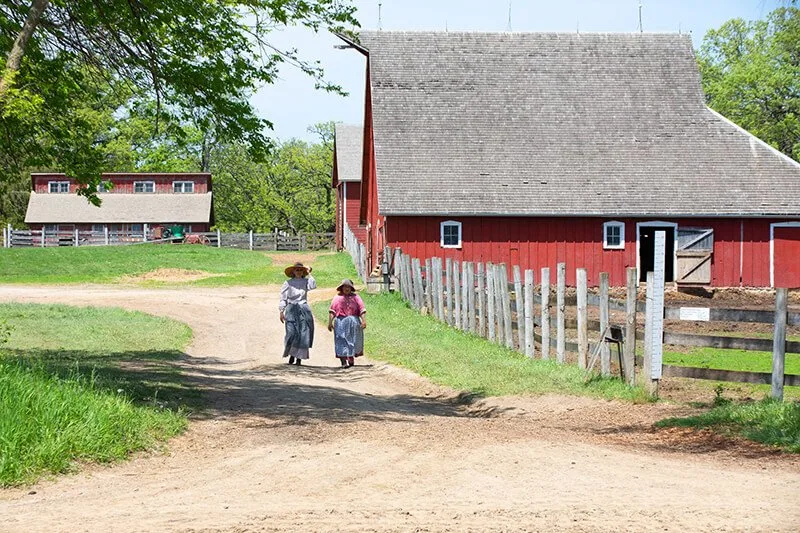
[[751, 74]]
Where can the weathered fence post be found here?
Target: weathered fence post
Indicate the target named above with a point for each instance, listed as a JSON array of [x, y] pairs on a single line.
[[419, 289], [490, 301], [779, 344], [219, 238], [439, 289], [471, 297], [5, 238], [647, 361], [145, 230], [428, 299], [456, 295], [464, 325], [546, 313], [44, 236], [250, 240], [75, 239], [528, 311], [509, 331], [448, 280], [520, 301], [481, 304], [561, 280], [498, 304], [583, 329], [630, 326], [105, 234], [605, 353]]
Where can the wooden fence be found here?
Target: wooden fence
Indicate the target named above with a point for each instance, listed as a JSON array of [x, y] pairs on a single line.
[[249, 241], [517, 313]]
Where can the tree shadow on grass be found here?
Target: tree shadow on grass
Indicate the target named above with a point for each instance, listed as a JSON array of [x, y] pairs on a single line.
[[210, 387]]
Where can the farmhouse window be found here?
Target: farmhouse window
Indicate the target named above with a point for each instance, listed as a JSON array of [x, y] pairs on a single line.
[[451, 234], [144, 186], [182, 186], [98, 228], [614, 235], [58, 186]]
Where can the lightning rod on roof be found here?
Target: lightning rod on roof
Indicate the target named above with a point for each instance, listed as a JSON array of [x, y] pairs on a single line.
[[640, 18], [509, 15], [380, 26]]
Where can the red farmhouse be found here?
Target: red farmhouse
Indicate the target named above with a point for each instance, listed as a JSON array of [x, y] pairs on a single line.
[[135, 203], [538, 148], [347, 150]]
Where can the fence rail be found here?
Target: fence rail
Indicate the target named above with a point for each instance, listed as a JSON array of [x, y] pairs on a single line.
[[275, 241], [480, 299]]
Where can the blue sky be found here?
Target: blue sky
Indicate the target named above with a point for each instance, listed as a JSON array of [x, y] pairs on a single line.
[[292, 103]]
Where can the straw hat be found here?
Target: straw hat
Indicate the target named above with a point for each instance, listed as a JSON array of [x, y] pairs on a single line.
[[289, 271], [345, 283]]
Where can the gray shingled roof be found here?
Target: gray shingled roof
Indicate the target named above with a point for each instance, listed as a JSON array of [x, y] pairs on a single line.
[[560, 124], [349, 141], [119, 208]]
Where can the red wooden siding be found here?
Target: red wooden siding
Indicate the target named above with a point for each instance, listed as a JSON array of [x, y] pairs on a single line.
[[348, 202], [124, 183], [741, 247], [786, 254]]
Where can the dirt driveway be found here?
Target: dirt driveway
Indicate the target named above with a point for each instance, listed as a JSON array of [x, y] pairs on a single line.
[[375, 448]]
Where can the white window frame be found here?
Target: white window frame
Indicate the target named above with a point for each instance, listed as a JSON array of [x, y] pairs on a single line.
[[59, 185], [182, 185], [145, 184], [614, 224], [441, 233]]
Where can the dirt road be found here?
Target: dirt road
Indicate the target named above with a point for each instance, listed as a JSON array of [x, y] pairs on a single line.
[[375, 448]]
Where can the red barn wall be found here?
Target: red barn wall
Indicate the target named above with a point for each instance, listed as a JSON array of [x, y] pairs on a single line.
[[741, 246], [124, 183]]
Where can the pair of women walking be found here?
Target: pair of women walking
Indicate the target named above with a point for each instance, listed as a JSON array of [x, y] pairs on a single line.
[[346, 318]]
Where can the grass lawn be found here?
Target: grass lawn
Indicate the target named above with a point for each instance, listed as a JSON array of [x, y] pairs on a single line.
[[739, 360], [108, 264], [401, 336], [85, 384]]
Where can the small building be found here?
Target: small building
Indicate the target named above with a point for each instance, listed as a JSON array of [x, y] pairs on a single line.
[[134, 205], [347, 155], [533, 149]]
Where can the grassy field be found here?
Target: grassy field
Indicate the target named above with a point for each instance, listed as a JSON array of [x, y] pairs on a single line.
[[401, 336], [112, 264], [739, 360], [91, 385], [767, 421]]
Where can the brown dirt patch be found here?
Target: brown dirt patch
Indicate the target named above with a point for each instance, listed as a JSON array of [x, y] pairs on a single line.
[[170, 275], [290, 258]]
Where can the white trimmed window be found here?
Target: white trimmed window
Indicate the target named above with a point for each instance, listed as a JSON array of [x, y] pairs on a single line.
[[144, 186], [58, 186], [451, 234], [182, 186], [614, 235]]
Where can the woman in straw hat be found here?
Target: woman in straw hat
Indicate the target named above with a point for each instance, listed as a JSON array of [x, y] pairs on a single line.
[[347, 320], [296, 314]]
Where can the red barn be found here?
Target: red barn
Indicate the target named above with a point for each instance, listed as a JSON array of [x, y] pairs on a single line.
[[347, 154], [134, 204], [538, 148]]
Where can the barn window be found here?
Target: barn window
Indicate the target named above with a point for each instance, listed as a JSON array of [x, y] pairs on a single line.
[[182, 186], [614, 235], [451, 234], [58, 186], [144, 186]]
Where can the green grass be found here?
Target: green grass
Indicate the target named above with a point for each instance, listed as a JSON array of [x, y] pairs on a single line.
[[85, 384], [722, 359], [401, 336], [768, 421], [108, 264]]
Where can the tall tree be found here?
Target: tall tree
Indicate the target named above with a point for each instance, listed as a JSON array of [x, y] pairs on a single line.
[[751, 74]]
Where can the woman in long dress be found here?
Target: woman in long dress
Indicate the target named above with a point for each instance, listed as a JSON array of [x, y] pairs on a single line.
[[296, 314], [347, 319]]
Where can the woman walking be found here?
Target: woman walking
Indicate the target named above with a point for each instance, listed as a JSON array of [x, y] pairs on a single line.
[[347, 320], [296, 314]]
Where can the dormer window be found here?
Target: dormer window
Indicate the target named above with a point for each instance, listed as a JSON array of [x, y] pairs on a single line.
[[614, 235], [182, 186], [144, 186], [58, 186], [451, 234]]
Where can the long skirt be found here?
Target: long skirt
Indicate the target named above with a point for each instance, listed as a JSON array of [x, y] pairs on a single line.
[[348, 337], [299, 331]]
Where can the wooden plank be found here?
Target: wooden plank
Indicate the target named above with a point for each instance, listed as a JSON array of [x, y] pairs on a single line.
[[529, 344], [439, 289], [456, 295], [428, 284], [605, 352], [518, 300], [448, 280], [561, 284], [481, 303], [545, 322], [644, 377], [419, 290], [730, 343], [471, 324], [583, 330], [761, 378], [464, 325], [629, 347], [779, 343], [490, 302], [509, 332]]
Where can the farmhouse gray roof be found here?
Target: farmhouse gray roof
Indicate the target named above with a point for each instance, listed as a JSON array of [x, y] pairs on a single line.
[[349, 140], [560, 124], [51, 208]]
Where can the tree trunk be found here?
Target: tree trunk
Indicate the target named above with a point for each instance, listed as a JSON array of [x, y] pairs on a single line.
[[14, 58]]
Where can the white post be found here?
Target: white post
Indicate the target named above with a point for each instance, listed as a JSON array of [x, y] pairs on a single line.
[[44, 235], [219, 238], [658, 312], [490, 301], [5, 238], [779, 344], [520, 301], [251, 240], [583, 330], [75, 242], [145, 229], [105, 233], [546, 313], [10, 235], [561, 284], [528, 308]]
